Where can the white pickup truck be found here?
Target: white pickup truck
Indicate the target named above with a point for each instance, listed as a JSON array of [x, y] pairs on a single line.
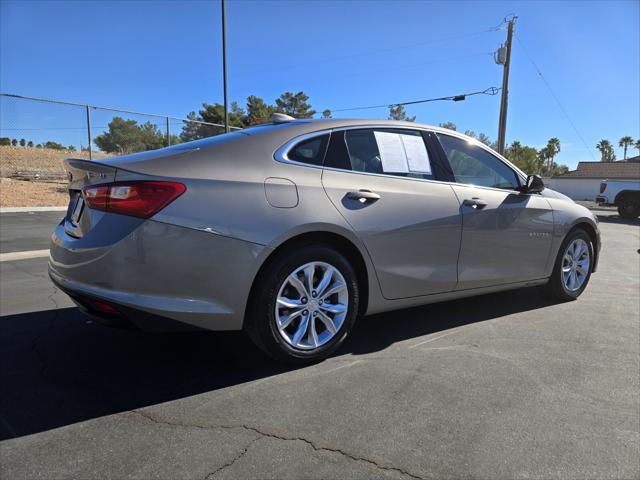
[[624, 194]]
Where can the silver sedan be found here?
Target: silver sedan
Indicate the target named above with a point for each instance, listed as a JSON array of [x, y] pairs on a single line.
[[294, 229]]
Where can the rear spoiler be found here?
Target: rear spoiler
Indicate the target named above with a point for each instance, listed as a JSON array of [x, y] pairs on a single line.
[[87, 172]]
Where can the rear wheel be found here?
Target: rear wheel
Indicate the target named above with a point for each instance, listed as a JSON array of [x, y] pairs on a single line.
[[305, 304], [629, 207], [573, 266]]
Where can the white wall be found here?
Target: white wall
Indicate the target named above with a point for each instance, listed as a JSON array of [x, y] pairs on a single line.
[[575, 188]]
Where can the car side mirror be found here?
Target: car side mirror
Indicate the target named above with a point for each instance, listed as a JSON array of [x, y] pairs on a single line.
[[534, 184]]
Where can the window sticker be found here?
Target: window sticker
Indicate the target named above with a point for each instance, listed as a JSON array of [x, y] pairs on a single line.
[[416, 153], [392, 153], [402, 153]]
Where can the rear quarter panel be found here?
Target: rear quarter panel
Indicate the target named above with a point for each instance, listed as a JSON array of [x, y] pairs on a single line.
[[226, 196]]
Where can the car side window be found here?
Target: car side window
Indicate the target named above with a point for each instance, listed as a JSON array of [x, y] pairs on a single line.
[[473, 165], [310, 151], [397, 152]]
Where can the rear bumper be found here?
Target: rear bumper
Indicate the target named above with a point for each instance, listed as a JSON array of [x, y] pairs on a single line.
[[602, 200], [157, 276], [121, 316]]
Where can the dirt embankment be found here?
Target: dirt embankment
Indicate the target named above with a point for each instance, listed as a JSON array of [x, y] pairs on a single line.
[[36, 164]]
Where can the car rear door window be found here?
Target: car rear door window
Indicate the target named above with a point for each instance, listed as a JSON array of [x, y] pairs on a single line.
[[473, 165], [310, 151], [397, 152]]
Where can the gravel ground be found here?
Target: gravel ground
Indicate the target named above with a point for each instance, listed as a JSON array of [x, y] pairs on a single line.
[[21, 193]]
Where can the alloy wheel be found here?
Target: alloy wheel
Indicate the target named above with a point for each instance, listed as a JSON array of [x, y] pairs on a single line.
[[311, 306], [575, 265]]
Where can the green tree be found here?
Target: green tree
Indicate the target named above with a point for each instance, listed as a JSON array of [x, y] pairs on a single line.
[[258, 111], [524, 157], [326, 113], [71, 148], [14, 142], [151, 137], [606, 151], [211, 113], [553, 148], [637, 145], [481, 137], [484, 138], [397, 112], [295, 104], [624, 143], [53, 145], [5, 141], [30, 144], [23, 142], [173, 140], [190, 128], [126, 136], [449, 125], [39, 145], [543, 160]]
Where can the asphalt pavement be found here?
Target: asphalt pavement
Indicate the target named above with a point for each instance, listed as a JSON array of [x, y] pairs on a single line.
[[507, 385]]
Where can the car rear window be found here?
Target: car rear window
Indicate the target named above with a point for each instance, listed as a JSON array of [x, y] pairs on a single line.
[[310, 151]]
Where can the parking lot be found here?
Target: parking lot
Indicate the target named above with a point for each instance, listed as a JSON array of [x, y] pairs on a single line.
[[506, 385]]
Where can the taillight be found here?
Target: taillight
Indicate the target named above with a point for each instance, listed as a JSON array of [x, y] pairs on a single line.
[[139, 199], [603, 187]]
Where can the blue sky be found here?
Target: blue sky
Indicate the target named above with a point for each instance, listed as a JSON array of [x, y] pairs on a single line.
[[165, 57]]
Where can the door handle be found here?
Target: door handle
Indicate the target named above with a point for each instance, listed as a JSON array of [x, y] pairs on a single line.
[[474, 202], [363, 196]]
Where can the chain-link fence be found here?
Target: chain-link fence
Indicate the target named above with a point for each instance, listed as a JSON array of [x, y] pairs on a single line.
[[36, 135]]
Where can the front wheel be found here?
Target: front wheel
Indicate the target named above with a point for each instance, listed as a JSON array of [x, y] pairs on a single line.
[[573, 266], [305, 304]]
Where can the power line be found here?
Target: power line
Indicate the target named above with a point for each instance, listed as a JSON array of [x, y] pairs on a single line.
[[454, 98], [555, 97], [382, 50], [413, 65]]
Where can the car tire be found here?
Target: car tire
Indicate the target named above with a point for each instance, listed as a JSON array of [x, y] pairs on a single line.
[[576, 253], [629, 207], [277, 289]]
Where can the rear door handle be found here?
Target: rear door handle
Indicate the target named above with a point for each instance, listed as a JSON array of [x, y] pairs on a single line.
[[363, 196], [474, 202]]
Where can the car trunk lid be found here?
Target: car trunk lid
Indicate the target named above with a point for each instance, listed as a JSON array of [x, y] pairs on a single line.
[[81, 173]]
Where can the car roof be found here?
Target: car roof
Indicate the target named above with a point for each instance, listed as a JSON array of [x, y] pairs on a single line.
[[303, 126]]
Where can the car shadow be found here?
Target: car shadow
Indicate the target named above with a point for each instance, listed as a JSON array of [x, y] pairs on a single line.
[[58, 368]]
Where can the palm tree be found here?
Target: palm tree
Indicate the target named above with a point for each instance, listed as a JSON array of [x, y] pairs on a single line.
[[543, 156], [553, 148], [606, 151], [624, 143], [637, 145]]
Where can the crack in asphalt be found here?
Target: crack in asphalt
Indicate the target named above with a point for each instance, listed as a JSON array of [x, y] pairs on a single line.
[[234, 460], [264, 434]]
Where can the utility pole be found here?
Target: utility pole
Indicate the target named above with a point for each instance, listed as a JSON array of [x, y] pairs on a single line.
[[224, 66], [506, 62]]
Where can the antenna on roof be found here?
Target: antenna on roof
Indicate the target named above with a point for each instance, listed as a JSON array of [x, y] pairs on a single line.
[[281, 118]]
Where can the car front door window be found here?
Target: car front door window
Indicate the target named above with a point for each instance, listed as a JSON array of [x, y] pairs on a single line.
[[473, 165]]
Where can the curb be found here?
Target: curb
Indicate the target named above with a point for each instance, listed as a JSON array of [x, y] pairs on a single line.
[[31, 209]]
